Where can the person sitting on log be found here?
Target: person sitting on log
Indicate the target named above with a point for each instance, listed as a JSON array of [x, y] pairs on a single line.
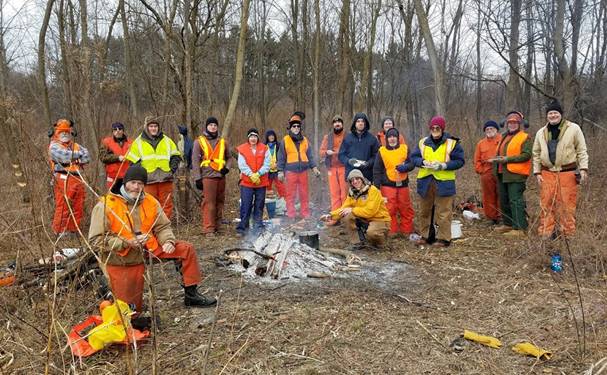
[[364, 212]]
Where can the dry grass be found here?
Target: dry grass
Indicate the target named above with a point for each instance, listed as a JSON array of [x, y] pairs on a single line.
[[482, 283]]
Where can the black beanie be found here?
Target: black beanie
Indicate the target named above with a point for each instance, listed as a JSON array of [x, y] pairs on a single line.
[[554, 106], [251, 132], [490, 124], [135, 172], [211, 120], [392, 132]]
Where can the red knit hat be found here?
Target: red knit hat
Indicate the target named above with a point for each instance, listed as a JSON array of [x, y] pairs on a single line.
[[438, 121]]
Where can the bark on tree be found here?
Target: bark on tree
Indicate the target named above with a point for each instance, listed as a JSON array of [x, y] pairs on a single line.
[[566, 80], [513, 87], [366, 83], [316, 74], [244, 18], [128, 60], [46, 107], [437, 68], [344, 58]]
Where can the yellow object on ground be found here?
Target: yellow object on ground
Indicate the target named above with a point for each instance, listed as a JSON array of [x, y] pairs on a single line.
[[112, 329], [485, 340], [528, 348]]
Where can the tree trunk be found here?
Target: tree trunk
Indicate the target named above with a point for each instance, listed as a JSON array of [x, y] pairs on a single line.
[[513, 87], [479, 68], [65, 62], [437, 68], [366, 82], [128, 60], [343, 74], [566, 82], [88, 122], [244, 18], [526, 105], [42, 62], [316, 74]]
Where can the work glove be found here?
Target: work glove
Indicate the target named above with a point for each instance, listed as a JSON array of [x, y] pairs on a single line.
[[489, 341], [528, 348], [353, 162], [224, 171], [316, 171], [427, 164], [402, 168], [199, 184], [255, 178], [441, 166], [281, 176]]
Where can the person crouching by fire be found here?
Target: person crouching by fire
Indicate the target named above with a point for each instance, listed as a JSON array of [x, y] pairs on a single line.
[[364, 213]]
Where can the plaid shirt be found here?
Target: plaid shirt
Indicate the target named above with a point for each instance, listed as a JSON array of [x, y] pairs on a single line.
[[63, 155]]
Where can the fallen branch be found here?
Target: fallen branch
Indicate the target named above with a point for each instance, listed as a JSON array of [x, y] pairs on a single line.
[[430, 333]]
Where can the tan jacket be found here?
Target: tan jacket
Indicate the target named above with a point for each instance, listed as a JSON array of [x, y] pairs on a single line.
[[571, 148], [107, 244]]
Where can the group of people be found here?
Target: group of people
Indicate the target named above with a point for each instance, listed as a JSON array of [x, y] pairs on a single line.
[[558, 158], [368, 181]]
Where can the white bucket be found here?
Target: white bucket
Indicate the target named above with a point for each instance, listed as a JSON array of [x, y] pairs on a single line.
[[456, 229]]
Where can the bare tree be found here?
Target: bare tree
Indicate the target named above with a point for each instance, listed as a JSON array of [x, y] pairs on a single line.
[[42, 61]]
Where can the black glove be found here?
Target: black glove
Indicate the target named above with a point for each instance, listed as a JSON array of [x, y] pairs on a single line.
[[224, 171], [199, 184]]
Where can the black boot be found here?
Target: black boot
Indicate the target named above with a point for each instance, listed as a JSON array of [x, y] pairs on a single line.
[[193, 298]]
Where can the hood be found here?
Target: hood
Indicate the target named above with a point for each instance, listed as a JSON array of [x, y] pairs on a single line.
[[360, 116], [183, 130], [268, 134]]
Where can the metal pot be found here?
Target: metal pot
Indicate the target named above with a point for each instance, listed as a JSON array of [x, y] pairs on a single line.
[[310, 238]]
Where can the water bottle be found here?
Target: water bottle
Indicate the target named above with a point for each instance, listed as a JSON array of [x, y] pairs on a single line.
[[556, 263]]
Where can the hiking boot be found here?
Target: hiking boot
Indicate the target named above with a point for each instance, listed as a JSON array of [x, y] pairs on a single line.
[[421, 242], [516, 233], [193, 298], [502, 228], [441, 243]]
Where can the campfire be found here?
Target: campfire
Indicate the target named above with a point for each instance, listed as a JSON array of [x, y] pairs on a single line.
[[279, 256]]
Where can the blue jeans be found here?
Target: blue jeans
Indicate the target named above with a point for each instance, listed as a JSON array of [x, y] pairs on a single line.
[[251, 199]]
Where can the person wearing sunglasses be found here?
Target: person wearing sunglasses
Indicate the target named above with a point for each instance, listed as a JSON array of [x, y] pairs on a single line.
[[295, 157]]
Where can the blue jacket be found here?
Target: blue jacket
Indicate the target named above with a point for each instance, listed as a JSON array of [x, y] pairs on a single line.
[[359, 146], [445, 188]]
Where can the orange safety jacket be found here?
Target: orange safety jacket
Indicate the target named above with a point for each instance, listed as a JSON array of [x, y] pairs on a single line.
[[117, 169], [293, 154], [215, 159], [514, 149], [391, 159], [121, 222], [255, 162]]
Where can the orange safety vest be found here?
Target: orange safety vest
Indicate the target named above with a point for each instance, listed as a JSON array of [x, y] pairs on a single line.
[[73, 167], [391, 159], [255, 162], [514, 149], [117, 169], [215, 159], [121, 223], [293, 154]]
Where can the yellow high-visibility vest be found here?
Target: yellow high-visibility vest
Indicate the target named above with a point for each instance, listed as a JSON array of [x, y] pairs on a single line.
[[215, 159], [153, 159], [441, 155]]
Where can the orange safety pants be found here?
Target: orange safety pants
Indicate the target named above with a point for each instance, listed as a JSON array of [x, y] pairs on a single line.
[[399, 203], [127, 282], [338, 186], [297, 185], [69, 203], [558, 195], [163, 192], [212, 203], [490, 196]]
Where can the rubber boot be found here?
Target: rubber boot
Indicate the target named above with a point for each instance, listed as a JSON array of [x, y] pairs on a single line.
[[193, 298]]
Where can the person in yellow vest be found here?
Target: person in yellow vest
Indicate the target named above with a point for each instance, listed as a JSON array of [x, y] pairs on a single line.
[[364, 213], [210, 156], [512, 166], [128, 225], [158, 154], [438, 157], [295, 157], [390, 176]]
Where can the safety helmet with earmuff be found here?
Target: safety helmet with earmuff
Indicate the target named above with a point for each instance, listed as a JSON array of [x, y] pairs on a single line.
[[63, 122], [524, 122]]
